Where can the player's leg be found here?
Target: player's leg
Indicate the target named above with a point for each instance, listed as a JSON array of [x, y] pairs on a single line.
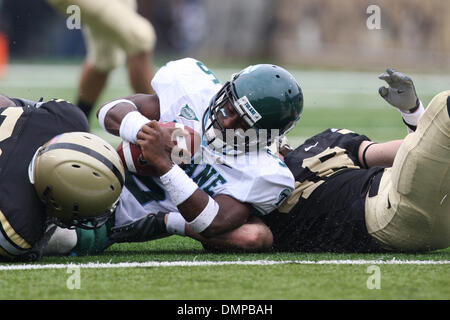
[[91, 84], [134, 35], [117, 20], [103, 52], [140, 71], [138, 42], [103, 55], [412, 210], [109, 43]]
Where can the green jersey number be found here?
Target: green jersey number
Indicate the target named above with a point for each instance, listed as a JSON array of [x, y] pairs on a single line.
[[145, 189], [208, 72]]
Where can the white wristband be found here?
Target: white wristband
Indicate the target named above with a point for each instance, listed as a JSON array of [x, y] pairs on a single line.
[[104, 110], [176, 224], [178, 185], [130, 126], [413, 118], [206, 217]]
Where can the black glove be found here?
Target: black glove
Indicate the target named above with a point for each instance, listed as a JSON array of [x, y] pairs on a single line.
[[148, 228]]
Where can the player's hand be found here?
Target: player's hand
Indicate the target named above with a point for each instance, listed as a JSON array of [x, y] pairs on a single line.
[[156, 145], [401, 92]]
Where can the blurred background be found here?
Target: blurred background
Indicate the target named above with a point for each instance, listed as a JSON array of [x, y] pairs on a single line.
[[414, 34], [336, 50]]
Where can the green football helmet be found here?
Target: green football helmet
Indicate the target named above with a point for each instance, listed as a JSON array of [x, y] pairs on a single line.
[[269, 100], [79, 177]]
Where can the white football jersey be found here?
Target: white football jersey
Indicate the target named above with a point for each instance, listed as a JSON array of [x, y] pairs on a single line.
[[185, 88]]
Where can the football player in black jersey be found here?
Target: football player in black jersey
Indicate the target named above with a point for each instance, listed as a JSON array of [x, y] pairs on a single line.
[[50, 167], [354, 195]]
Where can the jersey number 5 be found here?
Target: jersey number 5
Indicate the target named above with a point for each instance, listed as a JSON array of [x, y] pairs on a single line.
[[10, 117], [208, 72]]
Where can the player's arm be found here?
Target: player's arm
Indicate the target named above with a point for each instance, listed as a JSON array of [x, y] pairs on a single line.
[[203, 214], [402, 95], [126, 116], [226, 213], [372, 154]]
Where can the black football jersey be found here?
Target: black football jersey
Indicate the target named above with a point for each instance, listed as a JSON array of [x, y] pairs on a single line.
[[325, 212], [23, 129]]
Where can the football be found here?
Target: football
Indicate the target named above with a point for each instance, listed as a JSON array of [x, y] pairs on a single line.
[[186, 143]]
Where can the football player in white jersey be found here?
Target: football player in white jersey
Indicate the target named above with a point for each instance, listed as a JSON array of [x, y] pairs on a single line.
[[226, 183]]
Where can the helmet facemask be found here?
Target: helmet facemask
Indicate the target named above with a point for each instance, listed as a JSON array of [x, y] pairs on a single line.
[[230, 141], [75, 221], [269, 102]]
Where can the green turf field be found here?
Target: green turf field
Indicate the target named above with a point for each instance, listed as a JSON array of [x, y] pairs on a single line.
[[176, 267]]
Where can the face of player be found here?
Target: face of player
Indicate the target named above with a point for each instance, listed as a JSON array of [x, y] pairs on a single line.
[[230, 119]]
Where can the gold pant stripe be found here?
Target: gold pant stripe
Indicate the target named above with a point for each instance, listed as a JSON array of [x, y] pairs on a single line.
[[11, 233]]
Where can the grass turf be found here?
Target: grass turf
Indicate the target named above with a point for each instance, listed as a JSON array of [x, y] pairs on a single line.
[[278, 282]]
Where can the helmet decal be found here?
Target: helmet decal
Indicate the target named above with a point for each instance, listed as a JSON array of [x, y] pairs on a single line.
[[247, 107]]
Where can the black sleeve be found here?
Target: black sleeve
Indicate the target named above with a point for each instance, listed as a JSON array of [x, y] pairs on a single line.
[[348, 140], [324, 154], [329, 139], [66, 115]]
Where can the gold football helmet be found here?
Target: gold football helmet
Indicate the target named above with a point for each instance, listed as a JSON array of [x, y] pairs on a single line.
[[79, 177]]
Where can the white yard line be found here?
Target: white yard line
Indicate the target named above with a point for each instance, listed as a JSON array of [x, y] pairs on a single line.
[[147, 264]]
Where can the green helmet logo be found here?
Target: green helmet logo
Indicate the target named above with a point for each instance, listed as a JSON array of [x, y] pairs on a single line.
[[265, 96]]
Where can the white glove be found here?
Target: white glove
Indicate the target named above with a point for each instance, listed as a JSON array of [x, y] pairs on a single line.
[[401, 92]]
